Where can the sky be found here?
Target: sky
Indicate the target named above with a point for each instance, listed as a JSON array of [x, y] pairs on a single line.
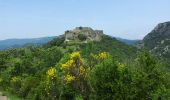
[[130, 19]]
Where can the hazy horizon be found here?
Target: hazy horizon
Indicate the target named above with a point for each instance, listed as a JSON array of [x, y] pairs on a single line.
[[128, 19]]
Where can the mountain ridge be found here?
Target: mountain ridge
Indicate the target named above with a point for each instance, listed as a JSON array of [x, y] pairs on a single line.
[[128, 41], [15, 43], [158, 41]]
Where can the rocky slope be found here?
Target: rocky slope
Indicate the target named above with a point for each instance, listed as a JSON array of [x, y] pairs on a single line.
[[158, 40]]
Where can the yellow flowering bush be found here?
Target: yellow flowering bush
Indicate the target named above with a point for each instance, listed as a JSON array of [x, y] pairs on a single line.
[[75, 55], [51, 83], [121, 67], [74, 69], [102, 55], [82, 70], [67, 65], [69, 78], [15, 79], [77, 73], [94, 56], [15, 83], [51, 73]]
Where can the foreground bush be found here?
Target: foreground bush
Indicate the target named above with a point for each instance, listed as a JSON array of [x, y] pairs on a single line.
[[78, 77], [112, 80]]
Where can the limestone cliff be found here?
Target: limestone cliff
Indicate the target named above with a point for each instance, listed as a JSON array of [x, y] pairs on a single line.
[[158, 40]]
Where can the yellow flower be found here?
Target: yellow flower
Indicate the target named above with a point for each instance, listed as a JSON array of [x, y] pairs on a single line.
[[95, 56], [103, 55], [67, 65], [69, 78], [82, 70], [69, 62], [64, 66], [51, 72], [75, 55], [121, 67], [15, 79]]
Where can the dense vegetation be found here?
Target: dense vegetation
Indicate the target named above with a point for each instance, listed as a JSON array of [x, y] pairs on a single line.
[[103, 70]]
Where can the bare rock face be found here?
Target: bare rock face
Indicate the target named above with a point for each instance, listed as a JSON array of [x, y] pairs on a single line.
[[162, 30], [158, 40], [83, 34]]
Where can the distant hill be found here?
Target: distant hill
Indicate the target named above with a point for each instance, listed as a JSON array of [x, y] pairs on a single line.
[[16, 43], [128, 41]]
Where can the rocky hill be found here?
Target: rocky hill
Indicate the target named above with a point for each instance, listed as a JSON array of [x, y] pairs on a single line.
[[88, 40], [158, 40], [83, 34]]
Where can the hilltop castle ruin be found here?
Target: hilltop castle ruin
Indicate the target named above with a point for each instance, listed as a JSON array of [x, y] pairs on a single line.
[[84, 34]]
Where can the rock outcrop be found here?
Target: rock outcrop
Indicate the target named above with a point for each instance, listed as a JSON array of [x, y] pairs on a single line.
[[158, 40], [162, 30]]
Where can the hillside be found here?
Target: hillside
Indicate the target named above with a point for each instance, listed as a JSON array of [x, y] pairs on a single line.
[[16, 43], [158, 40], [82, 64], [93, 41]]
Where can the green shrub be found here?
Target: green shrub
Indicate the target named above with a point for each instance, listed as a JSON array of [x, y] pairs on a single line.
[[16, 84], [149, 79], [27, 85], [110, 80], [82, 37]]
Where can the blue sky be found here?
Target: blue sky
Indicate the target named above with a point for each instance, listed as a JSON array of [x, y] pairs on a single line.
[[131, 19]]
